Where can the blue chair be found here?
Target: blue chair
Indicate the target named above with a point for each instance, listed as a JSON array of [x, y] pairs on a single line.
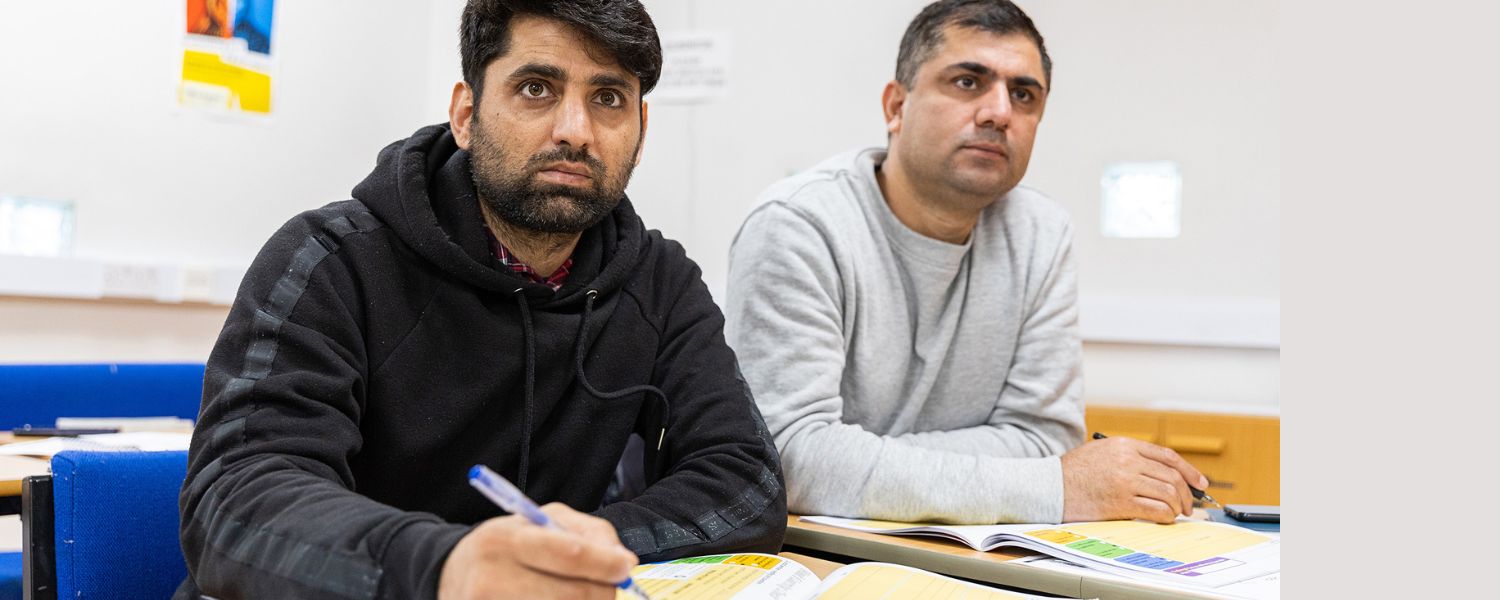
[[114, 525], [10, 576], [39, 394]]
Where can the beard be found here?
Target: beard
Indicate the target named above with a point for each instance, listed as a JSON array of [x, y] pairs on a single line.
[[515, 196]]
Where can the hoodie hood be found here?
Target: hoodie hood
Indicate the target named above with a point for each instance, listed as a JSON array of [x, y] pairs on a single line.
[[423, 189]]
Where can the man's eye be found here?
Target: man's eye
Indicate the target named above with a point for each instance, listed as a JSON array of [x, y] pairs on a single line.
[[610, 98], [966, 83], [1021, 95], [534, 89]]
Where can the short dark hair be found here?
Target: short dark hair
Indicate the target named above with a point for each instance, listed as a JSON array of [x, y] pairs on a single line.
[[621, 28], [925, 33]]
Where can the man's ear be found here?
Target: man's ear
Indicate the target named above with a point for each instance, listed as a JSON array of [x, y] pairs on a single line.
[[892, 101], [645, 117], [461, 113]]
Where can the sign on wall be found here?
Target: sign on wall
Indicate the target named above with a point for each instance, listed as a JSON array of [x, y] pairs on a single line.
[[695, 67], [227, 56]]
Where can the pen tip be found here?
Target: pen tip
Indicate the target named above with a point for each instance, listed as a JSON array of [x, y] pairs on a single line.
[[474, 471]]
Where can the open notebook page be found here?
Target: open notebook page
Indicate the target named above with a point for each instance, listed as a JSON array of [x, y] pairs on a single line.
[[766, 577]]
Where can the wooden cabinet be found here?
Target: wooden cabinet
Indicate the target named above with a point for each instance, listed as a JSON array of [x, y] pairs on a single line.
[[1241, 455]]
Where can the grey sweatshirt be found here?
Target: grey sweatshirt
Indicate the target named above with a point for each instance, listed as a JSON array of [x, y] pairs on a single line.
[[904, 377]]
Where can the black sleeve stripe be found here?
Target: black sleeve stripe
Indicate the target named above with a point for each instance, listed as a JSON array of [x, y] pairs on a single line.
[[664, 534], [318, 567], [744, 509], [321, 568]]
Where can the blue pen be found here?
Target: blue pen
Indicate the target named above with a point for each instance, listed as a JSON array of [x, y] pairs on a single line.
[[510, 499]]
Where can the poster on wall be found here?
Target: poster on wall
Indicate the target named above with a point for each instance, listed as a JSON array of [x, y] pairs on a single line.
[[694, 68], [227, 57]]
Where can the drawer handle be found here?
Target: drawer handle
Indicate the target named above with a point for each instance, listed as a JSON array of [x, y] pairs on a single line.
[[1196, 444]]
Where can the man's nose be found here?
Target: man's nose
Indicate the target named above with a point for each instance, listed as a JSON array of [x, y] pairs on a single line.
[[573, 125], [994, 109]]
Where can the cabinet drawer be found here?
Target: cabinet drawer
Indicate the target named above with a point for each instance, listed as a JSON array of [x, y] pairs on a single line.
[[1210, 444], [1240, 455], [1115, 422]]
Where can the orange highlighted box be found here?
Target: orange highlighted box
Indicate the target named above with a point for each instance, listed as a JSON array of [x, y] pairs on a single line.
[[1056, 536], [751, 560]]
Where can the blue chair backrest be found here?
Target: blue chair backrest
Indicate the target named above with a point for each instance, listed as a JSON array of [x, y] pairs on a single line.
[[115, 522], [38, 394]]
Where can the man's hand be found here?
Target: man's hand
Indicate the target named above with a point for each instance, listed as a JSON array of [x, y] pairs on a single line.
[[1121, 478], [508, 557]]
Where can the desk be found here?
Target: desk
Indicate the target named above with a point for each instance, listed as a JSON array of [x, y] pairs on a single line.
[[14, 468], [957, 560]]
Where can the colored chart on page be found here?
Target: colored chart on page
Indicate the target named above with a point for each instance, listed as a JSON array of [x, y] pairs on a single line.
[[1174, 548], [723, 576]]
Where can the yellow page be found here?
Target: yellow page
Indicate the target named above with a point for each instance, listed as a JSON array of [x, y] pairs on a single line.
[[1197, 553], [1183, 541], [725, 577]]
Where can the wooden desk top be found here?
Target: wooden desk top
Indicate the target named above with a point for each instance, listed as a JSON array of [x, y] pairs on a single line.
[[14, 468], [957, 560]]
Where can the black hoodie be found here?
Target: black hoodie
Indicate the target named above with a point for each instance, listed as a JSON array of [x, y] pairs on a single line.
[[377, 350]]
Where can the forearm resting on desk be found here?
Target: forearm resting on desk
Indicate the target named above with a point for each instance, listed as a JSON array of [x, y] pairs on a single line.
[[840, 469]]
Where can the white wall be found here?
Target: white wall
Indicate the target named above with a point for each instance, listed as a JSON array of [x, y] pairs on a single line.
[[1182, 80], [87, 114]]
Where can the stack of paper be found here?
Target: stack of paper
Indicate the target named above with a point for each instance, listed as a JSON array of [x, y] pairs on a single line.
[[140, 440], [127, 424]]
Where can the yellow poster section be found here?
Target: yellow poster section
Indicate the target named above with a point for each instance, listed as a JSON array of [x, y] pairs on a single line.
[[1185, 541], [248, 88]]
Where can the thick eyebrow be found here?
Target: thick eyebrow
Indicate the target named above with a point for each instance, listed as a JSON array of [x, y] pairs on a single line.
[[1025, 81], [983, 71], [554, 73], [539, 70], [611, 80], [973, 67]]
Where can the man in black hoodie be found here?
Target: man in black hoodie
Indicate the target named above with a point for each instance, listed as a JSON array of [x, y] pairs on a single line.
[[490, 297]]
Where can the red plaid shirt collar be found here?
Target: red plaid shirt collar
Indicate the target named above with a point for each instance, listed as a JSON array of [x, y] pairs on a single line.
[[554, 281]]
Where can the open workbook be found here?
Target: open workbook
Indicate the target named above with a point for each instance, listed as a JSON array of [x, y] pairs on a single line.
[[1191, 553], [766, 577]]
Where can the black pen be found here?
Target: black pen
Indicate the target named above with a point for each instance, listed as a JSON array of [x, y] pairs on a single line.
[[1201, 495], [29, 431]]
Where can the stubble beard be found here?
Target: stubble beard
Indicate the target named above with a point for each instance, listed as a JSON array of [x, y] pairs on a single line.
[[514, 196]]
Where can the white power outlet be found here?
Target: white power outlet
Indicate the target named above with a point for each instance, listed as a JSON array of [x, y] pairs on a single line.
[[151, 282]]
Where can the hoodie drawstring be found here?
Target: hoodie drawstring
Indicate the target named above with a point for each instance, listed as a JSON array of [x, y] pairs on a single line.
[[588, 311], [530, 385], [530, 382]]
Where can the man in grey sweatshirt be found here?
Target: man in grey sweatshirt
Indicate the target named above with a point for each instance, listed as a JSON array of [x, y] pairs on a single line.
[[907, 319]]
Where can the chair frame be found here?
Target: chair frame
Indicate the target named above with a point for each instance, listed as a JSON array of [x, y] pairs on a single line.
[[38, 546]]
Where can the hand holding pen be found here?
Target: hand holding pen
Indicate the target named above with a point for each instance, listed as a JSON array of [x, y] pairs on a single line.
[[1198, 494], [572, 555], [1123, 478]]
